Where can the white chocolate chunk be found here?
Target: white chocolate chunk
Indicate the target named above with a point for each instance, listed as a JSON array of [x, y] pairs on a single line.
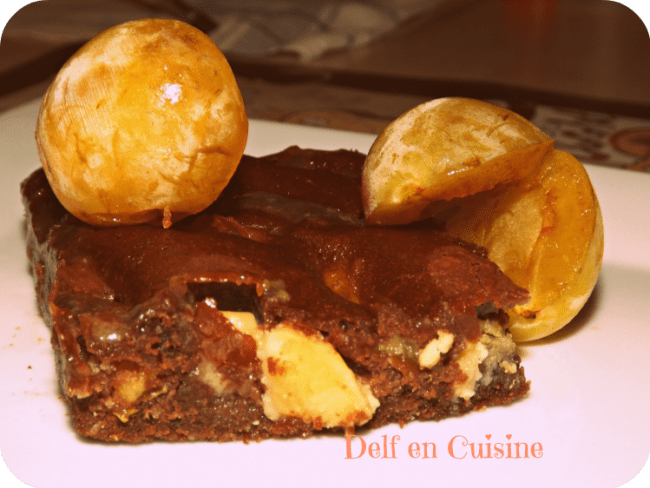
[[129, 385], [306, 377], [245, 323], [211, 377], [469, 361], [508, 367], [430, 354]]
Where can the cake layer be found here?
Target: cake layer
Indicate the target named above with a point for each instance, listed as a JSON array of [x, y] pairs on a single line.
[[273, 313]]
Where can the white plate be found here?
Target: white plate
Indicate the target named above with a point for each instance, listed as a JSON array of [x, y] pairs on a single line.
[[588, 407]]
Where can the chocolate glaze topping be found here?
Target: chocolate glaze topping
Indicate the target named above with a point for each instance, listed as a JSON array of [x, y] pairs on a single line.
[[410, 280]]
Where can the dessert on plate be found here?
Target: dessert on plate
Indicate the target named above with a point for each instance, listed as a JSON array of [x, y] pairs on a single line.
[[195, 293]]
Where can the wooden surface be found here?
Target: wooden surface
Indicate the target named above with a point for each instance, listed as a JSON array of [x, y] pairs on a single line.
[[576, 67], [583, 48]]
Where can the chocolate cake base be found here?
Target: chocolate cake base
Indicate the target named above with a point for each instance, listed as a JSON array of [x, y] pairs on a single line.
[[273, 313]]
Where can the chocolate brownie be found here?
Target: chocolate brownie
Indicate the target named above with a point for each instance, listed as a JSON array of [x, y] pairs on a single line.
[[273, 313]]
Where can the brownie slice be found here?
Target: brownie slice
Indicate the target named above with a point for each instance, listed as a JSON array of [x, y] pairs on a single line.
[[273, 313]]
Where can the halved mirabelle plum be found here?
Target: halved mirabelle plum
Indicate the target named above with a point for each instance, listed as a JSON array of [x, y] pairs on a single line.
[[495, 180], [446, 148], [546, 234]]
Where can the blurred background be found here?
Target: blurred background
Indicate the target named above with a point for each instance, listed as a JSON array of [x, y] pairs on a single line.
[[579, 69]]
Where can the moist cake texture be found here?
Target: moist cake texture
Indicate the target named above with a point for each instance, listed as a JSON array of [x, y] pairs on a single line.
[[273, 313]]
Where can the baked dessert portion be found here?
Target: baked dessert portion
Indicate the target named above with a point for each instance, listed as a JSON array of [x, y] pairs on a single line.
[[276, 312]]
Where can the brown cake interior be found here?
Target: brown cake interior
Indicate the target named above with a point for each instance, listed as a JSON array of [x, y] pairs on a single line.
[[143, 349]]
